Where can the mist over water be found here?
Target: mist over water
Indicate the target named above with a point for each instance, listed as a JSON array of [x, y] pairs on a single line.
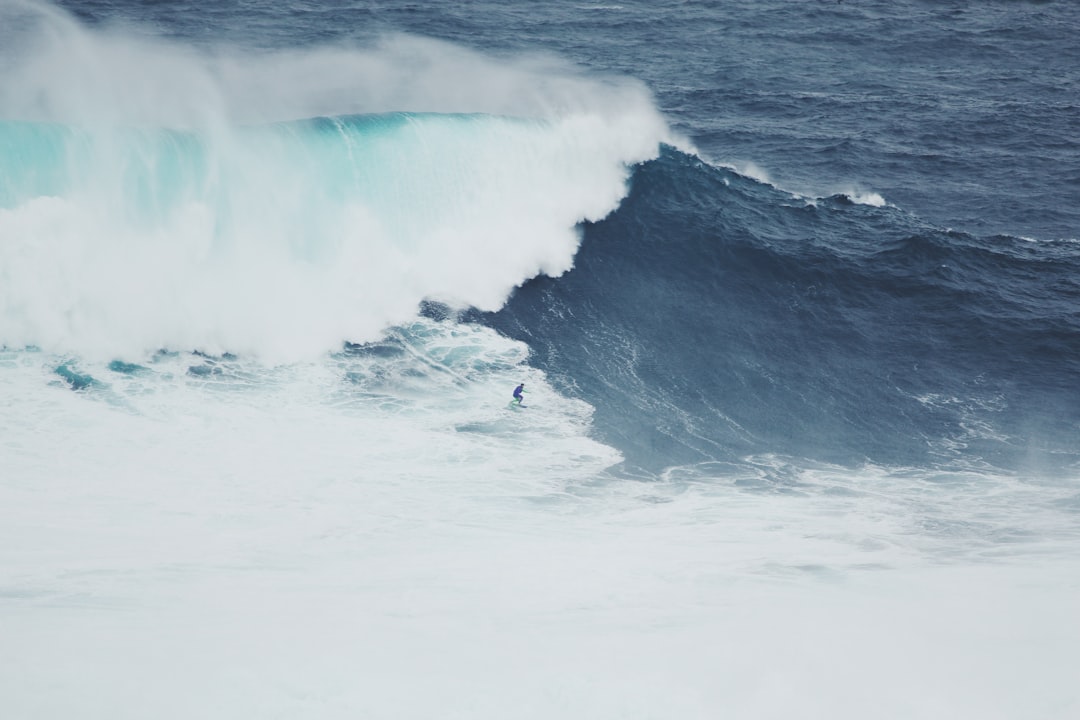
[[264, 296]]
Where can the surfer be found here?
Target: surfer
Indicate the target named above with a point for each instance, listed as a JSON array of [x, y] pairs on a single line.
[[519, 393]]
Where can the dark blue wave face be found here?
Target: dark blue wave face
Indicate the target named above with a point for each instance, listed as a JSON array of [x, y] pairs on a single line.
[[712, 317]]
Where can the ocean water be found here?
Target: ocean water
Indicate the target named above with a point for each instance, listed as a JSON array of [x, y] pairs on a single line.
[[794, 289]]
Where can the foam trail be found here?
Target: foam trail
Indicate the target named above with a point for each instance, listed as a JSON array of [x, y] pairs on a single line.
[[155, 196]]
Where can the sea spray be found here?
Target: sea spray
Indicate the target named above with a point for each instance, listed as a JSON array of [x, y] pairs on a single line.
[[281, 203]]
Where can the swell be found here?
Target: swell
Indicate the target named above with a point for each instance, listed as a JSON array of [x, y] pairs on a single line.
[[713, 317]]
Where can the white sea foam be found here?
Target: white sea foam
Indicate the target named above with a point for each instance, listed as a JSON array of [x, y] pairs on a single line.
[[750, 170], [864, 197], [753, 171], [279, 249], [325, 538], [282, 241]]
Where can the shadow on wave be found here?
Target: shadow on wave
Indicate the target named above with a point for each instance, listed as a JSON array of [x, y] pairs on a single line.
[[713, 317]]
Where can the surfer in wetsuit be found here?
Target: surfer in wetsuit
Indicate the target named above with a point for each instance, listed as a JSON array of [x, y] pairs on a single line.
[[519, 393]]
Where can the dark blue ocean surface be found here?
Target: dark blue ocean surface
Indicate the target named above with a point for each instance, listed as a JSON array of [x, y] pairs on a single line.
[[713, 315]]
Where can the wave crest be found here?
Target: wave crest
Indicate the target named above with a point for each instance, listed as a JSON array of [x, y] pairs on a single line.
[[214, 219]]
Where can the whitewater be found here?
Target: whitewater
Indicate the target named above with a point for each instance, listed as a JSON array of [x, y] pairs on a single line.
[[256, 453], [248, 213]]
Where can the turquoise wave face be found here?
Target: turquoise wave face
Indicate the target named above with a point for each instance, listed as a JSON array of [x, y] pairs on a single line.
[[244, 238], [407, 167], [155, 170]]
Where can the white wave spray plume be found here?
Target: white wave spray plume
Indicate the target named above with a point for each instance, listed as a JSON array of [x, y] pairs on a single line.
[[193, 204]]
